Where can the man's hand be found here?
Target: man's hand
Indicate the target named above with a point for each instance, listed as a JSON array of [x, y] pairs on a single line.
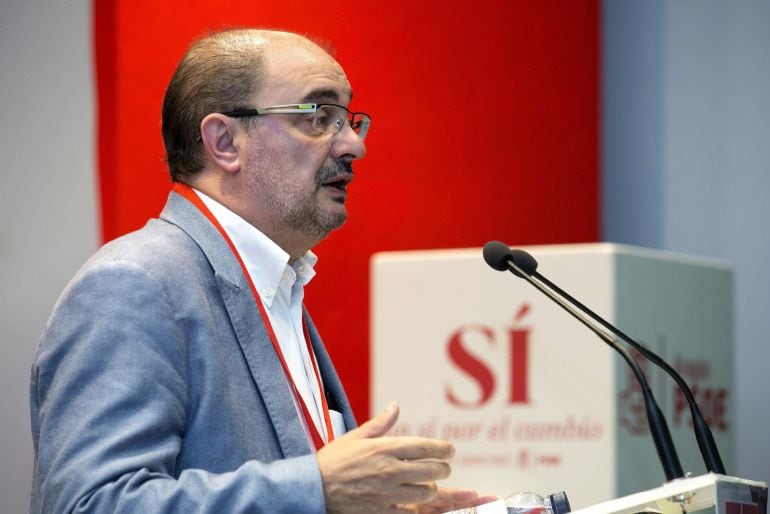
[[364, 472], [453, 499]]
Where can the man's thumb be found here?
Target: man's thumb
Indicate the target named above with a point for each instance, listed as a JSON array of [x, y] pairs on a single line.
[[378, 425]]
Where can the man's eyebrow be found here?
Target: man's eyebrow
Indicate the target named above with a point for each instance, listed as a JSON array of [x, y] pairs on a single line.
[[319, 95]]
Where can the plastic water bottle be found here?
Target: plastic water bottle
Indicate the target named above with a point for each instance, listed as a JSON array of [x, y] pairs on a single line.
[[533, 503], [522, 503]]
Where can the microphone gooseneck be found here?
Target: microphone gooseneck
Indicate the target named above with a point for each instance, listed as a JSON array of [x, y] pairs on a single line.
[[703, 435], [523, 265]]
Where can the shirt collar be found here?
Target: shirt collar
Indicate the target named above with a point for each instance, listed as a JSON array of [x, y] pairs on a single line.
[[265, 261]]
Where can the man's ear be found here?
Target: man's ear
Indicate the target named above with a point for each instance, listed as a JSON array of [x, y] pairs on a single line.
[[218, 133]]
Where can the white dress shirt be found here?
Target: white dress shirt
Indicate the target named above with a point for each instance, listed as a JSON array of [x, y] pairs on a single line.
[[280, 286]]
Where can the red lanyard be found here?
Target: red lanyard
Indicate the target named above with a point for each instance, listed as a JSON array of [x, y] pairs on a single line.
[[187, 192]]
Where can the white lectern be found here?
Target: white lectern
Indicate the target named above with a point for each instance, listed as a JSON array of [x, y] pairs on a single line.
[[717, 493]]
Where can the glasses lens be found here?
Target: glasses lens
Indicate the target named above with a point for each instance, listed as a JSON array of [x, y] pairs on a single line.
[[329, 119], [360, 122]]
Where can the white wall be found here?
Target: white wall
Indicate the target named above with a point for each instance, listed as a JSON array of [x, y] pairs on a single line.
[[47, 193], [686, 163]]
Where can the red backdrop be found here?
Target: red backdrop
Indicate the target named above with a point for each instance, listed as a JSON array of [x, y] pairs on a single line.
[[485, 126]]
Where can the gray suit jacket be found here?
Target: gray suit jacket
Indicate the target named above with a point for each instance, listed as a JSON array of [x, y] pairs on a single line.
[[155, 387]]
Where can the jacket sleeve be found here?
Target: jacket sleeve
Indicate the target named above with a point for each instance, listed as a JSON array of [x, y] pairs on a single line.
[[109, 405]]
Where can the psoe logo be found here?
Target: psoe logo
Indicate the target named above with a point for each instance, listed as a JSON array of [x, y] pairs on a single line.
[[712, 399], [471, 363]]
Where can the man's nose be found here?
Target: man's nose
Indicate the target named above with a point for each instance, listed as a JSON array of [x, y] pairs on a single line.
[[348, 144]]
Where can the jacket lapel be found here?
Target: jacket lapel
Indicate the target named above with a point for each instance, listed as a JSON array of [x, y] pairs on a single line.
[[249, 328]]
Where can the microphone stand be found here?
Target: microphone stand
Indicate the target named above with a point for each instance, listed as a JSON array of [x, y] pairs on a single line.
[[703, 435], [658, 427]]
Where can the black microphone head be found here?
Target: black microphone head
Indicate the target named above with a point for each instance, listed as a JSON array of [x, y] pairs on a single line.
[[524, 261], [497, 254]]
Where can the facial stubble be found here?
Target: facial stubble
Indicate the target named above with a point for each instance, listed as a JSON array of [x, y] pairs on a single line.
[[295, 205]]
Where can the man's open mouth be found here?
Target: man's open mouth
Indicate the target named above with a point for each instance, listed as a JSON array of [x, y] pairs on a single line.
[[340, 185]]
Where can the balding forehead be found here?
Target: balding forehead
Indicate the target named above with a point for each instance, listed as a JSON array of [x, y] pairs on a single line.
[[312, 76], [283, 54], [289, 40], [298, 47], [293, 67], [263, 40]]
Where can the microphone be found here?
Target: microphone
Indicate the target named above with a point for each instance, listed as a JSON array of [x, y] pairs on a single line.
[[523, 265], [703, 435], [497, 255]]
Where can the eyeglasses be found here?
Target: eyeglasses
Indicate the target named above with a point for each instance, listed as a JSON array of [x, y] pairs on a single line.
[[317, 119]]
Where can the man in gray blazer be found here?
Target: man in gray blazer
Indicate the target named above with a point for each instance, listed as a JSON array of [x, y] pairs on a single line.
[[171, 377]]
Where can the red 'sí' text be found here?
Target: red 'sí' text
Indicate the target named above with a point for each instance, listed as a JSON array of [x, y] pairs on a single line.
[[474, 366]]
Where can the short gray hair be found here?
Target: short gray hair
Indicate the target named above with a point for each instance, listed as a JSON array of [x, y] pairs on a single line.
[[219, 72]]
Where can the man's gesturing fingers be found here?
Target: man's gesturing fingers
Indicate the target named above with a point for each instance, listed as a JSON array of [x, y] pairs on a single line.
[[411, 448], [422, 471], [415, 493], [378, 426], [363, 472]]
